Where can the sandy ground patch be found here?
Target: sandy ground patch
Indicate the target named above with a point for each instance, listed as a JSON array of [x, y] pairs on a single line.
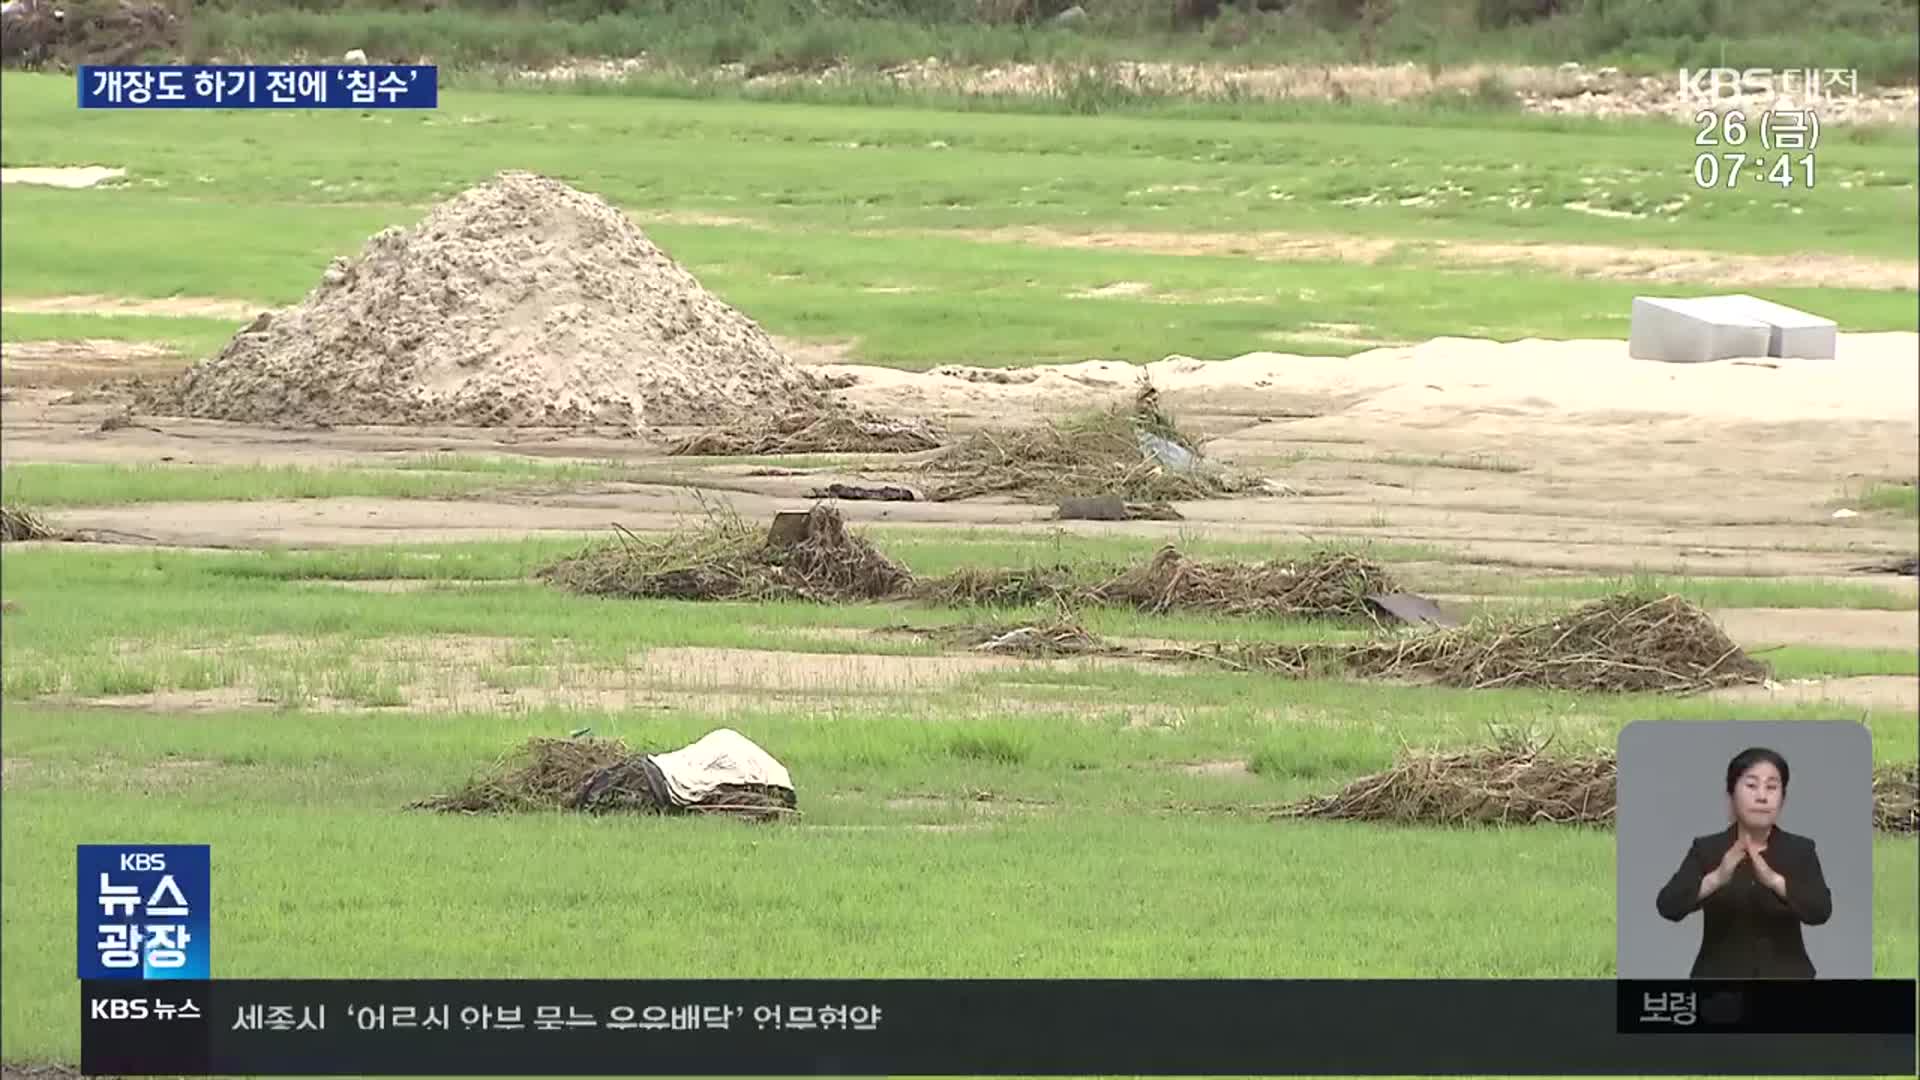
[[75, 177], [1863, 691], [1761, 627], [84, 362], [1677, 266], [1224, 769], [1112, 289], [91, 304], [1606, 464], [414, 585], [754, 669], [482, 673]]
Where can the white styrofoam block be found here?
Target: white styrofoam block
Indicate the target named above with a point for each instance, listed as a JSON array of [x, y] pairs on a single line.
[[1693, 331], [1795, 333]]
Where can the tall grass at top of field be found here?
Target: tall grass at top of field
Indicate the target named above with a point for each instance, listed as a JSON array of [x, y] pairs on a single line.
[[1872, 36]]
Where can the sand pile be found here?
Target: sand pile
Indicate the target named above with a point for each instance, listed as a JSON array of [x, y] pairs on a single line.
[[518, 302]]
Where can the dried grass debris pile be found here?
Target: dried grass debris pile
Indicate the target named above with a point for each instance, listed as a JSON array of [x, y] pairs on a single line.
[[724, 772], [1325, 584], [802, 556], [1896, 798], [1133, 450], [1627, 643], [20, 525], [1513, 782], [829, 430]]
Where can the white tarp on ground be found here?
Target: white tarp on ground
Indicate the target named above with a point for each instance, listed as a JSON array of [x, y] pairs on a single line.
[[721, 757]]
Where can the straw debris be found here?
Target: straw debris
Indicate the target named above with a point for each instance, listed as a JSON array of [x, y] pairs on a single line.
[[1510, 783], [541, 774], [1134, 451], [1327, 584], [1063, 635], [830, 432], [1896, 798], [722, 557], [1626, 643], [17, 524], [594, 776]]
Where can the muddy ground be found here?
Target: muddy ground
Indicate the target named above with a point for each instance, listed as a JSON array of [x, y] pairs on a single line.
[[1495, 479], [1485, 480]]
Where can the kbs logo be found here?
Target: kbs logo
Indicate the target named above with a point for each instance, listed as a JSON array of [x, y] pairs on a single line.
[[142, 911], [1735, 84], [118, 1009]]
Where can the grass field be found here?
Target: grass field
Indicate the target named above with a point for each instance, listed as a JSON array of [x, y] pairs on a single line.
[[925, 238], [1087, 767], [284, 704]]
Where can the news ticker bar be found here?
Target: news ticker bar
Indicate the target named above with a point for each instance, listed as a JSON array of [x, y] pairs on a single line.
[[322, 1027]]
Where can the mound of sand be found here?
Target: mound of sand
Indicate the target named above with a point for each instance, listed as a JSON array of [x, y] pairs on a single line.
[[1872, 378], [518, 302]]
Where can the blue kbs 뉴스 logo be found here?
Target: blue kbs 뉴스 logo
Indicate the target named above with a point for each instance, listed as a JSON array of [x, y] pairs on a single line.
[[143, 911]]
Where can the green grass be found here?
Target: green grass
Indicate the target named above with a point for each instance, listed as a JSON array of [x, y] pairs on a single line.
[[830, 205], [1087, 766], [867, 168], [1902, 499], [192, 337], [1815, 662], [441, 476], [84, 608]]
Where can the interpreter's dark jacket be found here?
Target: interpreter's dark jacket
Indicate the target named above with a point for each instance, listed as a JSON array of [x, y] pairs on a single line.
[[1749, 931]]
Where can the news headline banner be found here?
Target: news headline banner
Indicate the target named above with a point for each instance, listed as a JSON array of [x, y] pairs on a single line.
[[987, 1028], [261, 86]]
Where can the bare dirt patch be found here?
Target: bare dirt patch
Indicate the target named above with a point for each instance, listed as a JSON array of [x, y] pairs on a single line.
[[1864, 691], [755, 669], [174, 306], [1761, 627], [216, 699], [85, 362], [476, 672], [414, 585], [1677, 266], [74, 177], [1226, 769], [1112, 289], [1261, 245], [1705, 470]]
